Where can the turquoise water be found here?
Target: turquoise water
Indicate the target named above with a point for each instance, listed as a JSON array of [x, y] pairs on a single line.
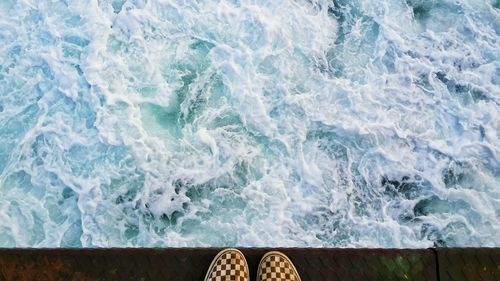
[[346, 123]]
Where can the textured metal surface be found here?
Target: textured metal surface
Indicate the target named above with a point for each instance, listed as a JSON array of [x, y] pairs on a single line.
[[469, 264], [191, 264]]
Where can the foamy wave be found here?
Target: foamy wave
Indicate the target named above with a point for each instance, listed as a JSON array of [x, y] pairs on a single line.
[[347, 123]]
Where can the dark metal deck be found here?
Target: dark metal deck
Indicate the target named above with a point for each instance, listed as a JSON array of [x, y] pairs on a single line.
[[191, 264]]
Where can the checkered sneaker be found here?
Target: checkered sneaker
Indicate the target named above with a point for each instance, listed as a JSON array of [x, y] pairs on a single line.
[[276, 266], [228, 265]]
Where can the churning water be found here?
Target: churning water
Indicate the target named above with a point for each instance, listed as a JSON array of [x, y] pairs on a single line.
[[345, 123]]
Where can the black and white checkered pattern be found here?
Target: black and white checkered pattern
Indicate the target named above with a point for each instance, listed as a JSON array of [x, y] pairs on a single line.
[[277, 267], [229, 266]]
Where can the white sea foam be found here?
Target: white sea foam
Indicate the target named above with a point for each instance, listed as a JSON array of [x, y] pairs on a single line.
[[346, 123]]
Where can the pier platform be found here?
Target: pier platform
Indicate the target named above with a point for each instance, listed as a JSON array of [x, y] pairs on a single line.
[[186, 264]]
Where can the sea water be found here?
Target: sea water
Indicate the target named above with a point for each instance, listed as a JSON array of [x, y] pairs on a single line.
[[172, 123]]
